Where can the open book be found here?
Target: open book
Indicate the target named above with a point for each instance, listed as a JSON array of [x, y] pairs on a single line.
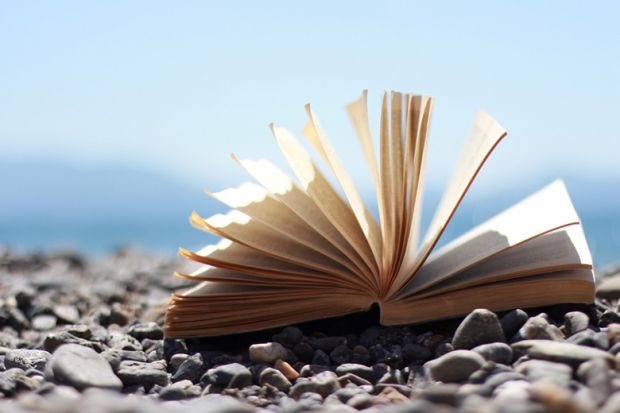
[[297, 251]]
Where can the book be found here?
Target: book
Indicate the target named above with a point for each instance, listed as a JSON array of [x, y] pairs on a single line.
[[292, 251]]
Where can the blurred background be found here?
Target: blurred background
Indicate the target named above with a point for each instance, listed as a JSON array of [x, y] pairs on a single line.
[[114, 116]]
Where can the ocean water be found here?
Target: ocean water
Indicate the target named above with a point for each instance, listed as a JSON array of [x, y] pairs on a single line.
[[100, 236]]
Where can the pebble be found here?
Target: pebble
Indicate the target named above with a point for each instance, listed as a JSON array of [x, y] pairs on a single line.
[[286, 369], [324, 384], [512, 321], [571, 354], [151, 330], [191, 369], [496, 352], [481, 326], [141, 373], [538, 328], [274, 378], [575, 321], [26, 359], [455, 366], [81, 367], [267, 352], [359, 370], [44, 322], [233, 375], [561, 374]]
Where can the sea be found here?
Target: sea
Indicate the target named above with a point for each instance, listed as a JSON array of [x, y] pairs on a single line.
[[100, 237]]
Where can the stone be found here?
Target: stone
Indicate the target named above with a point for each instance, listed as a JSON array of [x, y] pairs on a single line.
[[81, 367], [496, 352], [148, 374], [176, 391], [67, 313], [597, 375], [304, 351], [327, 344], [150, 330], [561, 374], [416, 352], [320, 358], [274, 378], [340, 355], [27, 359], [568, 353], [512, 321], [455, 366], [123, 342], [191, 369], [613, 334], [360, 355], [574, 322], [286, 369], [612, 405], [481, 326], [176, 361], [267, 352], [360, 370], [233, 375], [324, 384], [55, 340], [44, 322], [538, 328], [289, 336]]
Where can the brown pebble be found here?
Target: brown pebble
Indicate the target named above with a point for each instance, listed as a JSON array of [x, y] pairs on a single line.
[[393, 395], [286, 369]]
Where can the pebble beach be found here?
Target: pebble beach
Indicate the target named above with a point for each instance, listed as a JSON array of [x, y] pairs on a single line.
[[82, 334]]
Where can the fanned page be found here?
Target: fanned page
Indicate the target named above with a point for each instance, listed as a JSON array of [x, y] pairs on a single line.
[[486, 133]]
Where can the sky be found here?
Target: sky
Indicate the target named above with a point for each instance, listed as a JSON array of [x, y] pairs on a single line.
[[176, 87]]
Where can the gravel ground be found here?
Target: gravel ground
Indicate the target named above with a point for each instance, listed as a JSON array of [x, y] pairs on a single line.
[[80, 335]]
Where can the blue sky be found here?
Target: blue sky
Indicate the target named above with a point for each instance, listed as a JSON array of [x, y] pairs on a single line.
[[175, 87]]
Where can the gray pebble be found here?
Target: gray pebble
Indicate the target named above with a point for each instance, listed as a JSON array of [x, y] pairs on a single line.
[[267, 352], [136, 372], [233, 375], [360, 370], [324, 384], [571, 354], [191, 369], [274, 378], [559, 373], [81, 367], [496, 352], [151, 330], [575, 321], [26, 359], [481, 326], [455, 366], [512, 321], [44, 322], [538, 328]]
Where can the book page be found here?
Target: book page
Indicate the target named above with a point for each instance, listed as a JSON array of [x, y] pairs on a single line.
[[254, 201], [562, 249], [240, 228], [485, 135], [326, 198], [545, 211], [286, 191], [318, 139]]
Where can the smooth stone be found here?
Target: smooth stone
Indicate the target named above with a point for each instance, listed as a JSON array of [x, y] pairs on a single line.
[[496, 352], [416, 352], [612, 405], [81, 367], [455, 366], [311, 369], [191, 369], [360, 370], [575, 321], [324, 384], [136, 372], [286, 369], [340, 355], [67, 313], [613, 334], [274, 378], [26, 359], [481, 326], [320, 358], [114, 356], [597, 375], [571, 354], [44, 322], [150, 330], [233, 375], [177, 360], [560, 373], [327, 344], [289, 336], [176, 391], [360, 355], [267, 352], [512, 391], [512, 321], [538, 328]]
